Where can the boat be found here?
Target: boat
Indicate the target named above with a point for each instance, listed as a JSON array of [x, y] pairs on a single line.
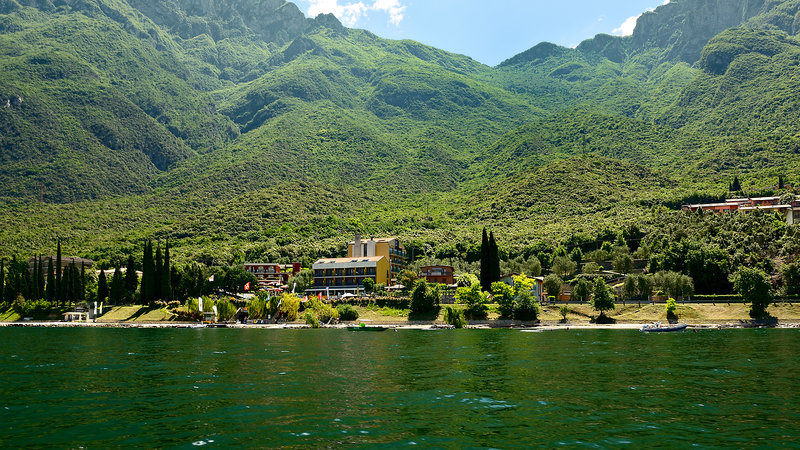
[[657, 328], [363, 327]]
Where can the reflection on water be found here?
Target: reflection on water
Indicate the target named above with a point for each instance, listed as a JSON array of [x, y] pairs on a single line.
[[324, 388]]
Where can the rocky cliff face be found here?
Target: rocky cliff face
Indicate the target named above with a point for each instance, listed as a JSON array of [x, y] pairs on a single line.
[[683, 27], [272, 20]]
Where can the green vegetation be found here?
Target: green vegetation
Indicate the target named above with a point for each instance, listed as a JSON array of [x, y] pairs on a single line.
[[454, 316], [425, 298], [475, 300], [503, 295], [602, 300], [231, 137], [347, 312], [564, 311], [753, 285], [670, 308]]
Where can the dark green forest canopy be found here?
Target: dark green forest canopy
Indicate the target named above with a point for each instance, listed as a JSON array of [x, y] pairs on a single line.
[[243, 130]]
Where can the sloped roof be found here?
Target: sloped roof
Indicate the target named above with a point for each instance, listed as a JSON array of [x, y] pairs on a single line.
[[347, 263]]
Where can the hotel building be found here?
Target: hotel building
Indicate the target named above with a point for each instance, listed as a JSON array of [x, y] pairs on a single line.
[[378, 259], [269, 274]]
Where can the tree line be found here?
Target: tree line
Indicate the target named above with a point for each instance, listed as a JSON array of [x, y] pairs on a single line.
[[62, 281]]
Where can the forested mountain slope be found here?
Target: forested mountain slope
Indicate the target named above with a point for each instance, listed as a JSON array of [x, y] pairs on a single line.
[[241, 128]]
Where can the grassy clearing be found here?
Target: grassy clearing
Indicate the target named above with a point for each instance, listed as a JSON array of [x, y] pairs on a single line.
[[122, 313], [690, 313], [155, 315], [629, 313]]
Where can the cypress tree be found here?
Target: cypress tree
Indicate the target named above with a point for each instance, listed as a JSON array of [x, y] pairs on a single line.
[[82, 284], [147, 273], [102, 287], [157, 280], [174, 282], [781, 184], [166, 281], [200, 283], [69, 282], [33, 288], [736, 186], [40, 278], [58, 288], [26, 280], [131, 279], [494, 261], [51, 281], [2, 280], [13, 285], [117, 286], [486, 275]]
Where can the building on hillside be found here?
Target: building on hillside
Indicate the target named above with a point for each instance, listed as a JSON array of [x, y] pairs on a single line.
[[391, 248], [270, 274], [790, 211], [538, 287], [437, 274], [66, 261], [336, 276]]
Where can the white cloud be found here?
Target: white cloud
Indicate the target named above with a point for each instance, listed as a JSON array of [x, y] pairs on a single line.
[[351, 13], [391, 7], [627, 27]]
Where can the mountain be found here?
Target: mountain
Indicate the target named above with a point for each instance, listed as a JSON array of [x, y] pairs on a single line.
[[240, 129]]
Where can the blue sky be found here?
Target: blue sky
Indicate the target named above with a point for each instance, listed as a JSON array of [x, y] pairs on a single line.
[[488, 31]]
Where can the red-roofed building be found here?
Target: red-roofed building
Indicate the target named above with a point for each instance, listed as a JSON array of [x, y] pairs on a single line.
[[270, 274], [437, 274]]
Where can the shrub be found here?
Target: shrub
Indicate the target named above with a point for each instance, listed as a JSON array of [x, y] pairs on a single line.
[[225, 310], [425, 298], [323, 311], [258, 308], [369, 285], [289, 306], [455, 317], [38, 309], [564, 310], [475, 299], [525, 306], [310, 318], [347, 312], [591, 268], [467, 280], [504, 297], [672, 306], [193, 306]]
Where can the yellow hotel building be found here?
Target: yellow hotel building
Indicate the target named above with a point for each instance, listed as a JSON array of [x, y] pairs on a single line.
[[391, 248], [379, 259]]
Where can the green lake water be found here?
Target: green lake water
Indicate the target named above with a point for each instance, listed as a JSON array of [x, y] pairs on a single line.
[[97, 388]]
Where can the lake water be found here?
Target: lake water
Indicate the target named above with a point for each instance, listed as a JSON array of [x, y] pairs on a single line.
[[462, 388]]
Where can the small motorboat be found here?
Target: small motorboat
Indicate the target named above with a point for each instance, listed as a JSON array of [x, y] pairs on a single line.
[[658, 328]]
